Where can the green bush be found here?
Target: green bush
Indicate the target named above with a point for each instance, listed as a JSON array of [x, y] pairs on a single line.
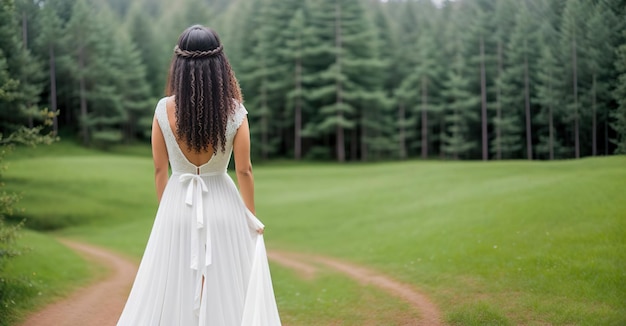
[[11, 290], [8, 233]]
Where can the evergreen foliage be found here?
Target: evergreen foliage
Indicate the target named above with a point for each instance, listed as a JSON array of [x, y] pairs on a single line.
[[620, 95], [20, 74], [17, 92], [346, 80], [518, 87]]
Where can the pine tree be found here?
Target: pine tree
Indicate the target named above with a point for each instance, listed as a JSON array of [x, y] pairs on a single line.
[[517, 84], [297, 36], [459, 102], [364, 87], [324, 86], [407, 27], [619, 115], [344, 75], [504, 19], [154, 49], [572, 46], [420, 86], [49, 42], [388, 141], [132, 89], [18, 90], [600, 35], [106, 112], [482, 37], [104, 67], [550, 87], [288, 37], [189, 12], [79, 29], [460, 105], [9, 85], [21, 84], [31, 79], [120, 7], [257, 82]]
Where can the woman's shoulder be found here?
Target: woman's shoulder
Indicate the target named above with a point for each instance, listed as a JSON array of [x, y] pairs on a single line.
[[240, 108], [166, 99], [237, 117], [161, 102]]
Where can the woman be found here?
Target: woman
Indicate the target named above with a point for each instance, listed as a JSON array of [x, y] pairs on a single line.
[[205, 261]]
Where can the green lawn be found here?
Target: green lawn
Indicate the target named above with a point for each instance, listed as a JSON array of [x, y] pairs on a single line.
[[496, 243]]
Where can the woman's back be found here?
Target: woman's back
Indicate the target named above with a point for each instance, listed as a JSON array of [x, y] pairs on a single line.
[[194, 157], [182, 159]]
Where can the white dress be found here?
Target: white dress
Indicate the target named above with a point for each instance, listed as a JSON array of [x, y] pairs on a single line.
[[202, 231]]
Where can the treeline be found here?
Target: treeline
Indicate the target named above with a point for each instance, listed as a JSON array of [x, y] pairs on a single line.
[[342, 79]]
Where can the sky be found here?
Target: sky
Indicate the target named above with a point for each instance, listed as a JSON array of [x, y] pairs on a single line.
[[436, 2]]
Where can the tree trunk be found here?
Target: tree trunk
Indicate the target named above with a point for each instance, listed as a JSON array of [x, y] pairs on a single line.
[[130, 129], [594, 127], [575, 81], [551, 122], [31, 122], [606, 133], [529, 137], [353, 144], [264, 122], [364, 135], [499, 104], [401, 133], [53, 91], [341, 155], [83, 95], [24, 30], [442, 132], [298, 114], [455, 153], [551, 139], [339, 130], [424, 118], [483, 96]]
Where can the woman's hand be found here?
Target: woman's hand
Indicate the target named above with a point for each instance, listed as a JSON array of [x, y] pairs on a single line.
[[260, 230]]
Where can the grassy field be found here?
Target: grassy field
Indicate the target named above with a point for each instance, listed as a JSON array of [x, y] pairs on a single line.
[[497, 243]]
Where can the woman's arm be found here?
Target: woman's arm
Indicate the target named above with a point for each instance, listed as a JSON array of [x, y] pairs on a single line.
[[159, 156], [243, 166]]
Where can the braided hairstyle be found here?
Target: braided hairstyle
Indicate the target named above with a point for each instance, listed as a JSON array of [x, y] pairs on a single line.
[[205, 89]]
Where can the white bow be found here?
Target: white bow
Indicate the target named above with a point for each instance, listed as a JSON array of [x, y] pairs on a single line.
[[196, 187]]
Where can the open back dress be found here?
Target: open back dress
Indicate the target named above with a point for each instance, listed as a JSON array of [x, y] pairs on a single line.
[[204, 263]]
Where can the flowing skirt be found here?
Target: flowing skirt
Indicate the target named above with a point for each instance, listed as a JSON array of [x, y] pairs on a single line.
[[204, 263]]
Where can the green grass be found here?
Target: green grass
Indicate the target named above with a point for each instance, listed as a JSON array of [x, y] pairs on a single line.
[[496, 243], [330, 299], [535, 242]]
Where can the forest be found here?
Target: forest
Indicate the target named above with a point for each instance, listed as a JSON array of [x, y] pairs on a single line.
[[342, 80]]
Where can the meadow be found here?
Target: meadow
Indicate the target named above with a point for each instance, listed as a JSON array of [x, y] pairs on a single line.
[[497, 243]]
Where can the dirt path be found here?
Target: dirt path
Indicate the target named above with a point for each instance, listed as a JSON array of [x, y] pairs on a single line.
[[429, 313], [98, 304], [102, 303]]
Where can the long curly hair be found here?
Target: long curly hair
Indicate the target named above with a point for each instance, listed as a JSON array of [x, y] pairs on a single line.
[[205, 89]]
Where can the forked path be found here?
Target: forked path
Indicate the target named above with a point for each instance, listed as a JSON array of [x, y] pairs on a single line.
[[428, 312], [102, 302]]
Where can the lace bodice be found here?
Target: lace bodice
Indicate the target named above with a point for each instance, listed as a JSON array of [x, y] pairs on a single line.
[[218, 162]]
